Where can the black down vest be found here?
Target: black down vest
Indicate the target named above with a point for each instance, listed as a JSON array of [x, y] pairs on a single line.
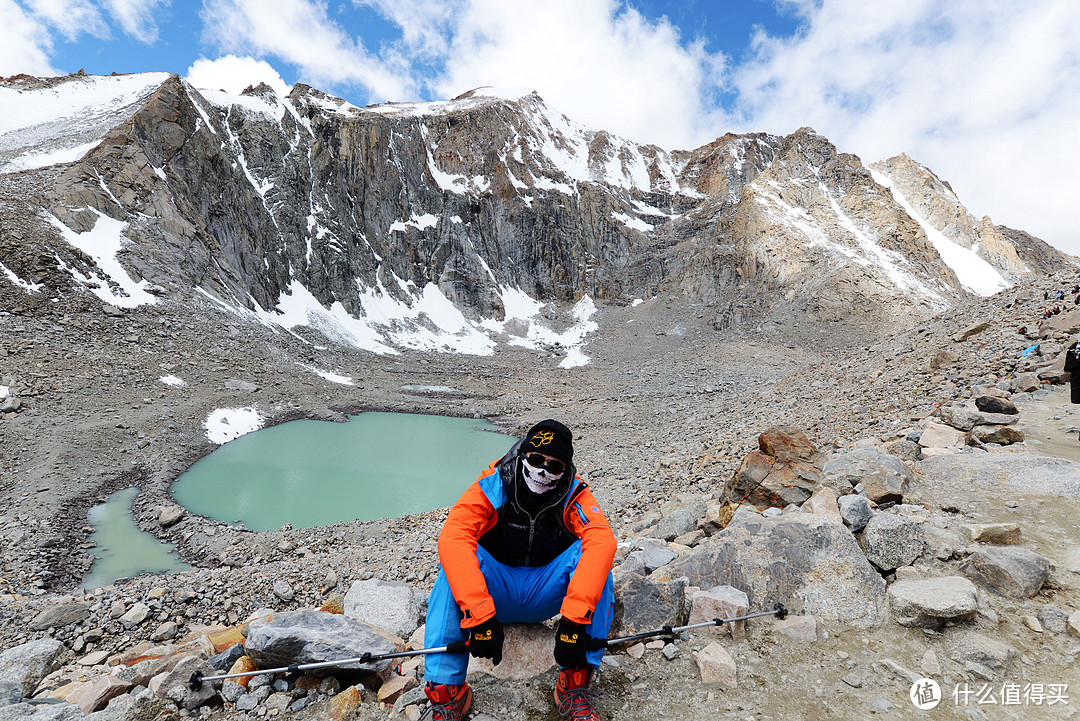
[[528, 538]]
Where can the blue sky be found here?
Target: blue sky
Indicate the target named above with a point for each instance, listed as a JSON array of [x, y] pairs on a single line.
[[986, 93]]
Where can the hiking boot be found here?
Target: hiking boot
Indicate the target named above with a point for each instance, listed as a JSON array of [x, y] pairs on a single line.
[[448, 702], [573, 696]]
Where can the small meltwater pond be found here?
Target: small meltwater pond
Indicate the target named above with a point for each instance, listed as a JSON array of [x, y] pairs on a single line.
[[122, 548], [316, 473]]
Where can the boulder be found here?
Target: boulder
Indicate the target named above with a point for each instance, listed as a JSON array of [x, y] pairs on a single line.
[[823, 503], [1014, 572], [1001, 435], [650, 555], [716, 666], [176, 687], [930, 602], [1024, 472], [855, 510], [100, 692], [959, 417], [1026, 382], [799, 628], [302, 637], [971, 647], [135, 615], [938, 439], [973, 329], [60, 615], [1002, 534], [943, 544], [885, 478], [720, 602], [1053, 618], [997, 419], [993, 404], [27, 664], [784, 470], [904, 449], [387, 604], [170, 515], [645, 604], [676, 523], [528, 650], [891, 541], [808, 563]]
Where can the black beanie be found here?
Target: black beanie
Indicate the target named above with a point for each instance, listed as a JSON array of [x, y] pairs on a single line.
[[552, 438]]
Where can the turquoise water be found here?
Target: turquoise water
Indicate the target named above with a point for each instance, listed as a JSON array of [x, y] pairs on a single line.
[[123, 549], [317, 473]]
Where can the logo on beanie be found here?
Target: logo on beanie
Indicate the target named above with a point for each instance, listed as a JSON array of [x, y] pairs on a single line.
[[542, 438]]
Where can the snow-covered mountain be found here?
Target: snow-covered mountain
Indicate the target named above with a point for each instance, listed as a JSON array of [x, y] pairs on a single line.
[[453, 225]]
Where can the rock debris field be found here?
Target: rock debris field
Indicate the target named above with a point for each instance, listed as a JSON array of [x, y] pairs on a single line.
[[912, 504]]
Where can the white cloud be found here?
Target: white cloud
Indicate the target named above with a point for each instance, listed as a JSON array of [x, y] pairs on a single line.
[[25, 44], [602, 64], [71, 18], [136, 17], [986, 94], [233, 74], [301, 33]]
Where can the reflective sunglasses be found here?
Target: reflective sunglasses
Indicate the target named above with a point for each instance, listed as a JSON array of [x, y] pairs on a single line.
[[551, 465]]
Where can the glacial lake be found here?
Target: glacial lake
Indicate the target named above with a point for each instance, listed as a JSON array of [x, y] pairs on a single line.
[[123, 549], [317, 473]]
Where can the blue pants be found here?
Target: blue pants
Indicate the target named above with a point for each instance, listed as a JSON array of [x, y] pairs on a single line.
[[522, 594]]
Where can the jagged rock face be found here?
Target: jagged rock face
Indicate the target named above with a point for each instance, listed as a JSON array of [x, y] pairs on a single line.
[[253, 198], [1015, 254]]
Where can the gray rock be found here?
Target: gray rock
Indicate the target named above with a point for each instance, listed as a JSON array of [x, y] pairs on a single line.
[[997, 419], [905, 449], [139, 705], [164, 632], [971, 647], [391, 605], [246, 702], [959, 417], [644, 604], [10, 693], [855, 510], [1011, 571], [283, 590], [27, 664], [653, 554], [933, 601], [176, 686], [891, 541], [135, 615], [312, 637], [231, 690], [170, 515], [680, 521], [225, 660], [60, 615], [1001, 435], [943, 544], [885, 478], [1053, 618], [810, 564], [238, 385]]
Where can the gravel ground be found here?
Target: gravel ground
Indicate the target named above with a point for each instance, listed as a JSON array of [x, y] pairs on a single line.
[[667, 405]]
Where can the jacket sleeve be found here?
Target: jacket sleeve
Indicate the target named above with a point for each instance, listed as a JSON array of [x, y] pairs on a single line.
[[584, 517], [471, 517]]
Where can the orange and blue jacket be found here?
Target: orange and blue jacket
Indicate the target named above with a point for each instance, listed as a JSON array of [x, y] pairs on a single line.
[[477, 512]]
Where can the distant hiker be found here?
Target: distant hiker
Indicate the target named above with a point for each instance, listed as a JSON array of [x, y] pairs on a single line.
[[1076, 289], [1046, 295], [1022, 329], [1072, 366], [525, 542]]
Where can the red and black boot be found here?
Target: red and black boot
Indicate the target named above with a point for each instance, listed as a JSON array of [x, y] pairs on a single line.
[[449, 702], [572, 694]]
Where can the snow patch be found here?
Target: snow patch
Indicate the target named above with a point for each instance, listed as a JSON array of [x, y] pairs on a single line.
[[25, 285], [173, 381], [420, 222], [330, 376], [973, 272], [636, 302], [632, 222], [226, 424], [102, 243]]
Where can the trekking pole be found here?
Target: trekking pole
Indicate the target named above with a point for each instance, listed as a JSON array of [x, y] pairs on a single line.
[[780, 612], [197, 678]]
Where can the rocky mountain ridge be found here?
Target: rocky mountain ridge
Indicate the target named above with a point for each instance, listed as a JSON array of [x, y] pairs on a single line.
[[445, 225]]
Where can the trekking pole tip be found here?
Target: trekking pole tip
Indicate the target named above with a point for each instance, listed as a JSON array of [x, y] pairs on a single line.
[[781, 612], [195, 682]]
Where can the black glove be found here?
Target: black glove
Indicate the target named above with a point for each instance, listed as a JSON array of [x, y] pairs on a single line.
[[571, 643], [486, 640]]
